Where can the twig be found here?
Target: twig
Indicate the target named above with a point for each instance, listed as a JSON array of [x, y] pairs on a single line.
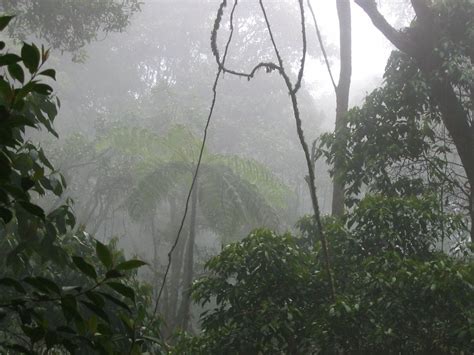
[[321, 44]]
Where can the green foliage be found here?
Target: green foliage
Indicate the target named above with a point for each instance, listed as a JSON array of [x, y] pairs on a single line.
[[59, 289], [393, 142], [396, 143], [395, 292], [68, 25], [410, 226], [264, 291], [232, 191]]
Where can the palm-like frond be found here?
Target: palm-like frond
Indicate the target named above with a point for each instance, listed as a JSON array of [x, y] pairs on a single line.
[[229, 202], [234, 192], [179, 144], [267, 184], [137, 142], [156, 187]]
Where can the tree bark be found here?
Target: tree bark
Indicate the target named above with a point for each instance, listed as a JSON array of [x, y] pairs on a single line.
[[420, 44], [342, 100], [188, 271]]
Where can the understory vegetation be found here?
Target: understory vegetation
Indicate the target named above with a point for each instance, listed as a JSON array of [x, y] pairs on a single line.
[[138, 236]]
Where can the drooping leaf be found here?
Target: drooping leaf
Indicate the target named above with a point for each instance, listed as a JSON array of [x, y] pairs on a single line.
[[33, 209], [4, 21], [97, 310], [8, 59], [84, 267], [122, 289], [130, 264], [10, 282], [104, 254], [30, 55], [49, 72], [16, 71]]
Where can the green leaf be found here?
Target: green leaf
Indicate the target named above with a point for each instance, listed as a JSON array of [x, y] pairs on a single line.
[[34, 333], [49, 72], [111, 274], [122, 289], [84, 267], [4, 21], [9, 58], [104, 254], [6, 214], [130, 264], [33, 209], [19, 349], [69, 307], [31, 57], [42, 89], [9, 282], [115, 300], [43, 284], [96, 298], [97, 310], [16, 71]]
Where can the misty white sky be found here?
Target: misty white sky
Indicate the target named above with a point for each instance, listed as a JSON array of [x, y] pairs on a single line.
[[370, 51]]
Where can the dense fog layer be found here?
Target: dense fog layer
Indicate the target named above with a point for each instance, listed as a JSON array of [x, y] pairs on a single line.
[[135, 80]]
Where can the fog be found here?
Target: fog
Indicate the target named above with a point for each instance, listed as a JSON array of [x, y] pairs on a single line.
[[123, 91], [135, 83]]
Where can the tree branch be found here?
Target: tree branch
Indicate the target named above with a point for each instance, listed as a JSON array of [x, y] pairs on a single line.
[[400, 40]]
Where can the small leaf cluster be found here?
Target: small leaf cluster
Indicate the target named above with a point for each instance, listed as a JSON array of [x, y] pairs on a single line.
[[394, 142]]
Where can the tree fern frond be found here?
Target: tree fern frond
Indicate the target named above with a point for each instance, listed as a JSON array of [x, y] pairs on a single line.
[[156, 187], [273, 189], [229, 202]]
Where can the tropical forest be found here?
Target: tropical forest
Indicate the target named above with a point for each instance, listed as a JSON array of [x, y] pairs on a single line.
[[241, 177]]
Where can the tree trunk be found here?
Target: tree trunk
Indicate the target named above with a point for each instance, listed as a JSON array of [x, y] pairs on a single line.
[[174, 282], [342, 101], [156, 275], [420, 43], [188, 270]]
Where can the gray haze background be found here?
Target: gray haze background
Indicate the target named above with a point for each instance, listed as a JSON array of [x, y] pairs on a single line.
[[122, 91]]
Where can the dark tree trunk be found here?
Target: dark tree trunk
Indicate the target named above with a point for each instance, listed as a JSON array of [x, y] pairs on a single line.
[[419, 43], [342, 100], [188, 271], [175, 277]]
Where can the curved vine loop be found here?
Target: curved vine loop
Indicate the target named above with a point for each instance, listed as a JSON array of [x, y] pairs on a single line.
[[292, 91]]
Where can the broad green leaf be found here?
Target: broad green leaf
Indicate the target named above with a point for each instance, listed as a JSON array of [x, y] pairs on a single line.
[[33, 209], [31, 57], [96, 298], [34, 333], [49, 72], [42, 89], [130, 264], [111, 274], [69, 307], [115, 301], [97, 310], [84, 267], [9, 58], [42, 284], [122, 289], [104, 254], [4, 21], [16, 71], [9, 282], [6, 214]]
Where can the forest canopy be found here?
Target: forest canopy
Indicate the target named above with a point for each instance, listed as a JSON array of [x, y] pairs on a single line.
[[208, 178]]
